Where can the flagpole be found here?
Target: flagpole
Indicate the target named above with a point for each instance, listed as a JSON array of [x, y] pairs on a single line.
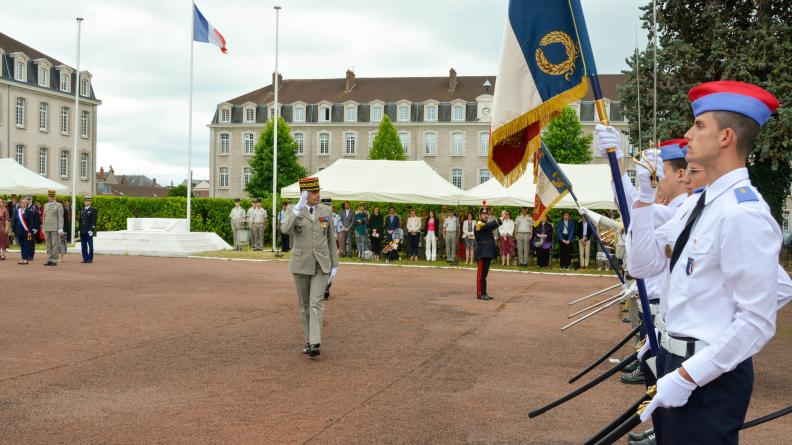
[[275, 137], [74, 138], [189, 120]]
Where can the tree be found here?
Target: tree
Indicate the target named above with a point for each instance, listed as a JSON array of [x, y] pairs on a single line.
[[289, 170], [386, 143], [180, 191], [699, 43], [565, 139]]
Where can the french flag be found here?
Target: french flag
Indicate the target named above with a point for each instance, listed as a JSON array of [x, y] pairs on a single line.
[[203, 31]]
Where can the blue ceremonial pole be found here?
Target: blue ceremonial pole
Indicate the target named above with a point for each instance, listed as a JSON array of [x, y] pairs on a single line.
[[591, 72]]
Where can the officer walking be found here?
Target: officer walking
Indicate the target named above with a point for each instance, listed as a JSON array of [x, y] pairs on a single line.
[[485, 250], [53, 228], [721, 301], [314, 259], [87, 230]]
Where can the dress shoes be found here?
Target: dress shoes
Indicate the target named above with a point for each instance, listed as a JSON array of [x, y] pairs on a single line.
[[630, 367], [307, 348], [641, 436], [650, 440], [634, 378], [484, 297], [50, 263], [314, 350]]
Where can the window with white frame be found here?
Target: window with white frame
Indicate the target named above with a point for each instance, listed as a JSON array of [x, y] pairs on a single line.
[[483, 144], [246, 175], [371, 136], [250, 146], [225, 142], [631, 175], [65, 82], [64, 164], [20, 112], [430, 113], [376, 113], [64, 122], [273, 110], [20, 73], [324, 144], [84, 166], [484, 175], [458, 113], [43, 77], [457, 144], [299, 114], [404, 138], [350, 113], [84, 87], [250, 115], [430, 144], [587, 111], [225, 115], [84, 124], [404, 113], [299, 144], [324, 114], [43, 161], [456, 177], [350, 144], [784, 218], [43, 116], [223, 178], [20, 154]]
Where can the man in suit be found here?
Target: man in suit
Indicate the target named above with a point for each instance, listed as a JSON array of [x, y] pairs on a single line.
[[585, 233], [314, 259], [347, 219], [52, 227], [87, 230], [566, 236], [25, 224], [485, 250], [392, 222]]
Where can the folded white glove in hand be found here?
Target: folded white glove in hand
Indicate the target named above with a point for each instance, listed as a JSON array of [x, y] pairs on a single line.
[[90, 233], [608, 137], [333, 273], [646, 192], [302, 203], [672, 391]]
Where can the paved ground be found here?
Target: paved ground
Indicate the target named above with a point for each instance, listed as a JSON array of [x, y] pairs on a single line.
[[152, 350]]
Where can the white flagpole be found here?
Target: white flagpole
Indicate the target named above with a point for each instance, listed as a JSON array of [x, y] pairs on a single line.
[[275, 138], [74, 139], [189, 119]]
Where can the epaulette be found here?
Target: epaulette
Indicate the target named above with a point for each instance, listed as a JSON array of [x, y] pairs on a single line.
[[745, 194]]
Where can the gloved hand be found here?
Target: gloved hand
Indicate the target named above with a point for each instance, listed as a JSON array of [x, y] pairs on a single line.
[[333, 273], [646, 192], [608, 137], [644, 349], [60, 232], [90, 233], [582, 211], [302, 203], [672, 391]]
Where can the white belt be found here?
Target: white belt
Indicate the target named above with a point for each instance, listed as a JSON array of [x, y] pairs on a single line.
[[660, 325], [681, 348]]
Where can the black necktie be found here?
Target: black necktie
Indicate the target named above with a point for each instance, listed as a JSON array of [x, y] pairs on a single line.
[[311, 210], [685, 235]]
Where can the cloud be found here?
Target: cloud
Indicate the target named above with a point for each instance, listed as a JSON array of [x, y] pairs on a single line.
[[138, 53]]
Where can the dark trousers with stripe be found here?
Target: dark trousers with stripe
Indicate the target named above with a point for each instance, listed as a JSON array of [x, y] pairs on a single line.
[[481, 276], [86, 243], [27, 248], [714, 412]]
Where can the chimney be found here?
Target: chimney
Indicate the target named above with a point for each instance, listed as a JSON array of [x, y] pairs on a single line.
[[111, 169], [350, 80], [452, 80], [280, 80], [154, 182], [101, 172]]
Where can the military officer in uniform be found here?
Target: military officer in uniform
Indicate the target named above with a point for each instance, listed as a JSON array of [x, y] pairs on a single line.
[[53, 228], [485, 250], [721, 301], [87, 230], [314, 259]]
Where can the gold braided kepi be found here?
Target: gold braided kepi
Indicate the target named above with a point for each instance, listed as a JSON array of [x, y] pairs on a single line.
[[50, 192], [309, 184]]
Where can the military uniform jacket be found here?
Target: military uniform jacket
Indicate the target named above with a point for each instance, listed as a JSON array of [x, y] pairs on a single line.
[[313, 240], [485, 239], [53, 217], [88, 220]]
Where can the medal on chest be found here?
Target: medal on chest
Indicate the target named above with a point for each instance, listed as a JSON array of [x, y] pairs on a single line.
[[324, 221]]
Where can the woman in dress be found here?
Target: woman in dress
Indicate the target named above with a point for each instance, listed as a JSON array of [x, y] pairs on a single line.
[[469, 236], [506, 238], [5, 223], [376, 224], [543, 242]]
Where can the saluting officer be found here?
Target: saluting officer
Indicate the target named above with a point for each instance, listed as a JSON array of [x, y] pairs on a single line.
[[87, 230], [485, 250], [314, 259], [722, 296]]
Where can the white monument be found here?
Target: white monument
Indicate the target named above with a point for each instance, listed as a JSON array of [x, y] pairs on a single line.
[[157, 237]]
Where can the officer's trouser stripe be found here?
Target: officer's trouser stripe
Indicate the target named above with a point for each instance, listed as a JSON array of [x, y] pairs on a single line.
[[478, 278]]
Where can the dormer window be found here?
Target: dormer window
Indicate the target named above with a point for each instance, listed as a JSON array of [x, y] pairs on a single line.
[[299, 114], [250, 115], [65, 82], [225, 115], [324, 113], [350, 113], [85, 87], [20, 71], [43, 77], [376, 113], [430, 113], [272, 110], [404, 113], [458, 113]]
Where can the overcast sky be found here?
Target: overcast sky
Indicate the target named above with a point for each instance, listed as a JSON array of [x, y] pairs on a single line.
[[138, 53]]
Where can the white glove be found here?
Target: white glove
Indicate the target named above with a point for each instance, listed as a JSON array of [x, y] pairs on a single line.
[[672, 391], [582, 211], [333, 273], [644, 349], [646, 192], [608, 137], [302, 203], [60, 232], [90, 233]]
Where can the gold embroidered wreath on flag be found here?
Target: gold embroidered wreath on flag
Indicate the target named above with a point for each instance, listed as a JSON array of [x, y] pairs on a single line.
[[567, 67]]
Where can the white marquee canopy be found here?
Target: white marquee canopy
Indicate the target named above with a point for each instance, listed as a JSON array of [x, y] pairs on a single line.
[[15, 178]]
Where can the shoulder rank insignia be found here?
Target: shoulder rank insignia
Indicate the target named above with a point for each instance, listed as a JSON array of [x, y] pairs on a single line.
[[745, 194]]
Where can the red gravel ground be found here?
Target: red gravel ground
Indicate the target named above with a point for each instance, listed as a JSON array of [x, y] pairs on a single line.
[[156, 350]]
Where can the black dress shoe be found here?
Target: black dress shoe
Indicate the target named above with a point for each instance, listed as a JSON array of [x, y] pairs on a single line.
[[307, 348], [641, 436], [485, 297], [314, 350], [48, 263], [631, 367], [634, 378], [650, 440]]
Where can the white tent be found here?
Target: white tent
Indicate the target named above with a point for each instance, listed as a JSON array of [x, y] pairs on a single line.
[[15, 178], [590, 182], [382, 181]]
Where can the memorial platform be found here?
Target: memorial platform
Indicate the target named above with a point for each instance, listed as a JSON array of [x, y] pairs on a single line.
[[166, 237]]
